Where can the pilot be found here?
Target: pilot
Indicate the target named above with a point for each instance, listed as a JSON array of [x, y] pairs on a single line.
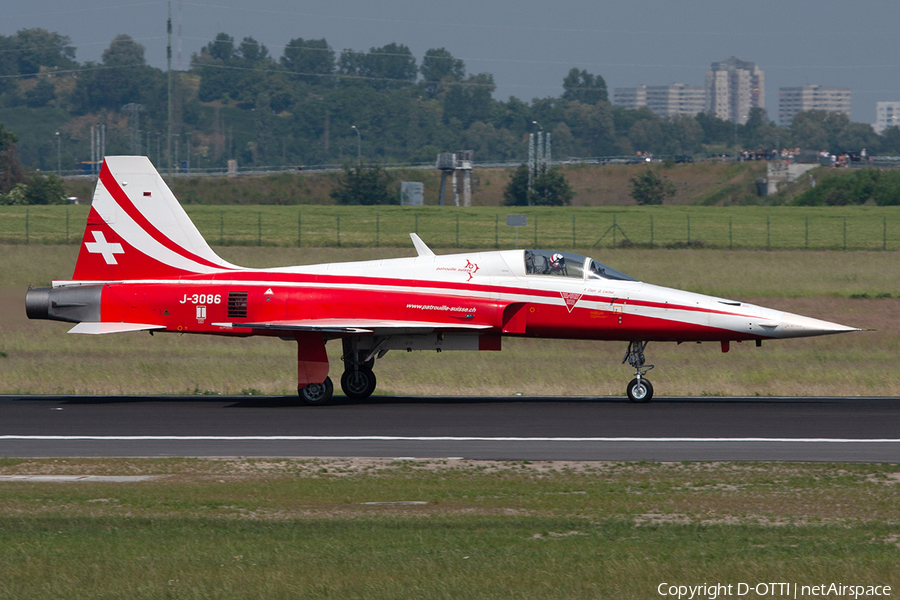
[[558, 264]]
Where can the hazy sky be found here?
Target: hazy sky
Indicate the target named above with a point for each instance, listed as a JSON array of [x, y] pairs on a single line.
[[529, 46]]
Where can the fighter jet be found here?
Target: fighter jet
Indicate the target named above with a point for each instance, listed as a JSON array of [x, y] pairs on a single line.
[[144, 266]]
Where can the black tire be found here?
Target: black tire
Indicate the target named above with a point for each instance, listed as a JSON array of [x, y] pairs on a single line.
[[640, 394], [317, 394], [358, 385]]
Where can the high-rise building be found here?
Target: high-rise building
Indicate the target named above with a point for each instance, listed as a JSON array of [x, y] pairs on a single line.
[[792, 100], [733, 87], [887, 114], [664, 100]]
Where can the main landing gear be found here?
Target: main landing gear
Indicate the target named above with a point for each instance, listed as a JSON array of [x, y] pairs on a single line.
[[639, 390], [358, 380], [317, 394]]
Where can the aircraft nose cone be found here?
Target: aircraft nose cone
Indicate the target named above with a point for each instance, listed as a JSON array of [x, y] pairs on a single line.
[[800, 326]]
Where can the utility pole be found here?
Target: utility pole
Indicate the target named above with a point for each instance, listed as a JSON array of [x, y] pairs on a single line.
[[58, 155], [169, 72], [358, 145]]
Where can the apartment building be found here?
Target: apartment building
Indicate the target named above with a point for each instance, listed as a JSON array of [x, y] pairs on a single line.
[[887, 114], [733, 87], [792, 100], [663, 100]]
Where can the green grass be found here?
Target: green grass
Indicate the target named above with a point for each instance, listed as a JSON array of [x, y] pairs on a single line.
[[293, 528], [579, 228]]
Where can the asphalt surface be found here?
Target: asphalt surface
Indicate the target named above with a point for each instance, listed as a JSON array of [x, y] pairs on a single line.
[[518, 428]]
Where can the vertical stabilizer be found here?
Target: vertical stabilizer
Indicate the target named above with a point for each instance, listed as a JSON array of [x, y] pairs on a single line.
[[136, 229]]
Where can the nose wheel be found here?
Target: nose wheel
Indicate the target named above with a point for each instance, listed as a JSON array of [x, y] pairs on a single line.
[[639, 389]]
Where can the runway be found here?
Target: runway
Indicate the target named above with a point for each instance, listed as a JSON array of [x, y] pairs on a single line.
[[516, 428]]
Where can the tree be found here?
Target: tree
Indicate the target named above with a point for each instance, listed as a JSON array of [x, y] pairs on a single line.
[[516, 191], [253, 53], [364, 185], [311, 60], [389, 67], [715, 130], [11, 171], [45, 189], [221, 48], [38, 48], [758, 133], [549, 188], [592, 127], [890, 141], [650, 187], [818, 130], [128, 80], [581, 86], [123, 51], [439, 67], [856, 136], [41, 94]]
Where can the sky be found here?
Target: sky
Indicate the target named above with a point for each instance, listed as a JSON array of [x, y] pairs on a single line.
[[528, 45]]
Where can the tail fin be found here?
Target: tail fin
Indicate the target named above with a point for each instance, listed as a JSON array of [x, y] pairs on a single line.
[[136, 228]]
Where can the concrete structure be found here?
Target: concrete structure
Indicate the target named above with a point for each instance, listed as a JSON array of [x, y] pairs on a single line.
[[733, 87], [779, 173], [887, 114], [664, 100], [792, 100], [451, 165]]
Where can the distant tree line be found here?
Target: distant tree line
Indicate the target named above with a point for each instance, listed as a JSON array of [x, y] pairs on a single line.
[[882, 187], [239, 100], [21, 186]]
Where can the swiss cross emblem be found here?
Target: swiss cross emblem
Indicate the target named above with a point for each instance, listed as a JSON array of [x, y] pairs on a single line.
[[570, 299], [106, 249]]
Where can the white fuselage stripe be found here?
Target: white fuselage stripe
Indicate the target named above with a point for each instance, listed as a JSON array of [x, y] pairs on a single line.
[[678, 314]]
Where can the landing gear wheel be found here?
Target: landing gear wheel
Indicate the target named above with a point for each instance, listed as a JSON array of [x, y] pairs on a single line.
[[317, 394], [639, 391], [359, 384]]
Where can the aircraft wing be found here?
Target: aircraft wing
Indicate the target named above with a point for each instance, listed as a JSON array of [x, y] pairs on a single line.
[[359, 326]]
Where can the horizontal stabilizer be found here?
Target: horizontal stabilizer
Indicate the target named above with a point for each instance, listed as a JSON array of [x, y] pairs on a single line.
[[101, 328], [358, 326]]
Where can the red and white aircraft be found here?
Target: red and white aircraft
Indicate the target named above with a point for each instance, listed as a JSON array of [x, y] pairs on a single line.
[[143, 265]]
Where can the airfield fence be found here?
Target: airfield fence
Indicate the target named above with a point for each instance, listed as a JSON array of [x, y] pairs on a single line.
[[583, 228]]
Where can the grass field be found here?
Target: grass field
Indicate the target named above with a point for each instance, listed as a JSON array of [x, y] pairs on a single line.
[[275, 528], [860, 289], [578, 228]]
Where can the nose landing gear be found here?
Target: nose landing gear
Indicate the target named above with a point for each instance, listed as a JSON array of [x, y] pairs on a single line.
[[639, 389]]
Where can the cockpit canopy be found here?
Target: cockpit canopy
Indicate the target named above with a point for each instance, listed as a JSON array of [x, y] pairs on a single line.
[[568, 264]]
